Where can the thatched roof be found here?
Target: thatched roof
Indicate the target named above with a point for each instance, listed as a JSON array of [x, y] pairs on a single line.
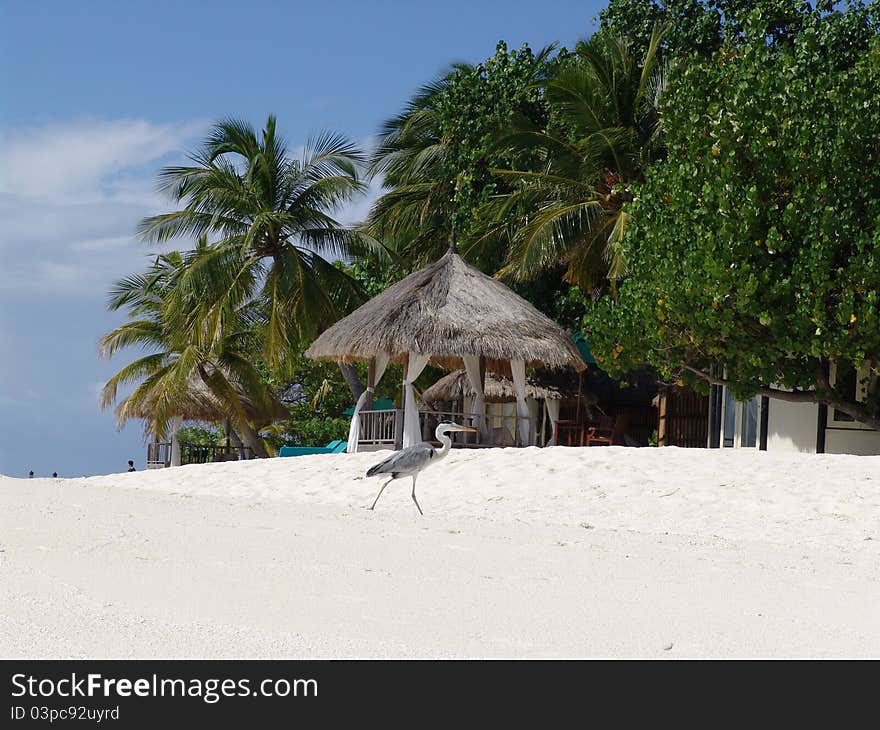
[[497, 389], [449, 309], [200, 404]]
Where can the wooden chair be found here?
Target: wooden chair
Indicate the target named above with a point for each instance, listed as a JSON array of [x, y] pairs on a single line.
[[609, 432], [569, 433]]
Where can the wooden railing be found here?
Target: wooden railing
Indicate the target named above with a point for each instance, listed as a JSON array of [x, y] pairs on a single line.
[[198, 454], [159, 454], [381, 428], [386, 428], [495, 430]]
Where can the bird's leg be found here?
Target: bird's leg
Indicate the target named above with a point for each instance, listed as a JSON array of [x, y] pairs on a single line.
[[382, 489], [414, 496]]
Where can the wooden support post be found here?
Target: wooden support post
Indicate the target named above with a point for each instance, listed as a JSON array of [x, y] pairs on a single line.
[[400, 414], [578, 418], [543, 423], [484, 431], [765, 423], [398, 428], [403, 380], [662, 405], [715, 394], [371, 383]]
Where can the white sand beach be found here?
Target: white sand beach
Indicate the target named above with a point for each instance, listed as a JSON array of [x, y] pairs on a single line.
[[601, 552]]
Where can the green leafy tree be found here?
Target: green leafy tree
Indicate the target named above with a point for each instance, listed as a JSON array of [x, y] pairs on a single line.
[[694, 26], [564, 303], [755, 246], [568, 207], [200, 436], [435, 158], [317, 394], [701, 27]]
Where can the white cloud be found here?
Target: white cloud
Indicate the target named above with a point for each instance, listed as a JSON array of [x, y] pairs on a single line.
[[109, 243], [86, 158], [357, 210], [71, 196]]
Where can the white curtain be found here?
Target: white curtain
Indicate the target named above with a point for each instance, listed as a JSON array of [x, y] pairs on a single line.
[[534, 418], [176, 422], [472, 368], [518, 370], [412, 433], [354, 428], [553, 414]]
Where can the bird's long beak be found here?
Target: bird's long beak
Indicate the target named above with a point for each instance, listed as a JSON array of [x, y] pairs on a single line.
[[467, 428]]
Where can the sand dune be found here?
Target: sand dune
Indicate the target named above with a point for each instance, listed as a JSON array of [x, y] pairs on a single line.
[[530, 552]]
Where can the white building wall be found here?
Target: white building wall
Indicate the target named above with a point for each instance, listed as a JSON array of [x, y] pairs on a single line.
[[852, 441], [792, 426]]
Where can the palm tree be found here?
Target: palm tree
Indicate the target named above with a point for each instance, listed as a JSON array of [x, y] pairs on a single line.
[[434, 157], [219, 357], [603, 134], [271, 221], [413, 159]]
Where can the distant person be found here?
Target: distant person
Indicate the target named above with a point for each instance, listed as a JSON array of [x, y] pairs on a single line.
[[54, 474], [131, 465], [31, 474]]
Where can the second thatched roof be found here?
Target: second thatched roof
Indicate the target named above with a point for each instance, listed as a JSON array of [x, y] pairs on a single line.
[[497, 389], [200, 404], [446, 310]]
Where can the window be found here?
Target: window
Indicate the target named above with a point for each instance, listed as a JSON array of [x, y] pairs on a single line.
[[729, 418], [750, 423], [740, 422]]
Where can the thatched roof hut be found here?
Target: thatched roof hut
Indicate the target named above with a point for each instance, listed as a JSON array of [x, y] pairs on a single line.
[[200, 404], [450, 315], [446, 310], [497, 389]]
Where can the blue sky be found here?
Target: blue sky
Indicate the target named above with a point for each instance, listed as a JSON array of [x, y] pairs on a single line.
[[96, 96]]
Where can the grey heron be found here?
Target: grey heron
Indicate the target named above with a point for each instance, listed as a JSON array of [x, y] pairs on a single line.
[[409, 462]]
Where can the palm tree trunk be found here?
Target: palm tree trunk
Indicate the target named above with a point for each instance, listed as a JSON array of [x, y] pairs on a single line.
[[252, 439], [237, 441], [236, 415], [175, 442], [352, 380]]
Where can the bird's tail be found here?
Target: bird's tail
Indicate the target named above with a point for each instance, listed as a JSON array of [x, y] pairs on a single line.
[[381, 467], [373, 470]]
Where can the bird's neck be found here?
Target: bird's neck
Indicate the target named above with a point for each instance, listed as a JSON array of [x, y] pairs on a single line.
[[447, 445]]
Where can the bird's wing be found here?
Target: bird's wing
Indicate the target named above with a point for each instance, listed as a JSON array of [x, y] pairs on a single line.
[[382, 466], [412, 458]]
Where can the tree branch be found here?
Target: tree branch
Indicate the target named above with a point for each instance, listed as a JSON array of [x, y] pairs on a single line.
[[857, 410], [351, 379]]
